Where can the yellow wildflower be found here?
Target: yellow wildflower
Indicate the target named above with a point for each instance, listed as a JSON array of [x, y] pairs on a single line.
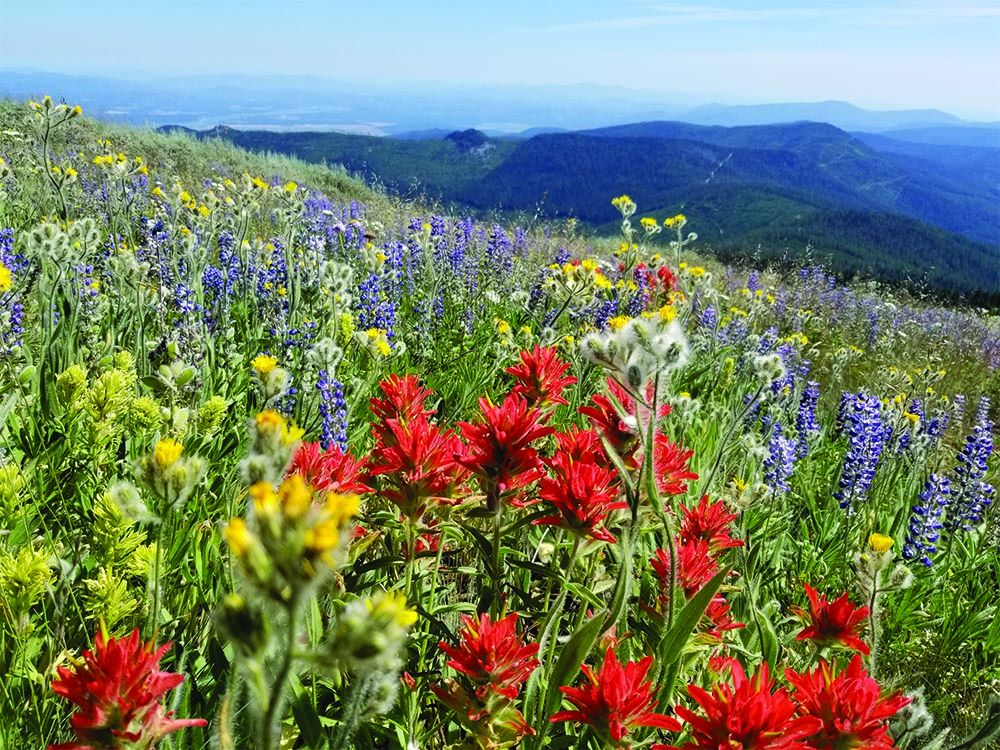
[[291, 187], [238, 536], [167, 452], [264, 363], [341, 508], [295, 496], [272, 421], [6, 280], [879, 543], [265, 500], [392, 605], [618, 322]]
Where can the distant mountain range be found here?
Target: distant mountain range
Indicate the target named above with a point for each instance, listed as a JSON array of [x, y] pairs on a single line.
[[869, 203], [308, 102]]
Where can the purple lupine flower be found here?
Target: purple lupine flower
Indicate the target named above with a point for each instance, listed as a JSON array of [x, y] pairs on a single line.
[[499, 254], [925, 523], [780, 462], [805, 418], [604, 311], [333, 411], [707, 318], [972, 495], [868, 435], [11, 318]]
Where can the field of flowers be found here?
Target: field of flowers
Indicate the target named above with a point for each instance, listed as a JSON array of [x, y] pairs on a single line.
[[286, 463]]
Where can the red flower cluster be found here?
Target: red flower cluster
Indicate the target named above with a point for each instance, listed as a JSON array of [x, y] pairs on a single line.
[[710, 523], [617, 420], [619, 429], [118, 690], [499, 451], [540, 377], [850, 706], [419, 461], [328, 471], [837, 622], [584, 489], [496, 663], [747, 714], [704, 536], [670, 466], [615, 700], [492, 656]]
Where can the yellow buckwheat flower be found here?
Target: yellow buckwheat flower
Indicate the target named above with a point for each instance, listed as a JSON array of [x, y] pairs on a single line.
[[265, 500], [295, 496]]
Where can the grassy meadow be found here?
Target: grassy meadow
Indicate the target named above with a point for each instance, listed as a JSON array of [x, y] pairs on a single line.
[[387, 478]]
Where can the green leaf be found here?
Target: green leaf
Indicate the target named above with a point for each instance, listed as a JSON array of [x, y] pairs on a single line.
[[673, 643], [485, 547], [306, 717], [566, 668]]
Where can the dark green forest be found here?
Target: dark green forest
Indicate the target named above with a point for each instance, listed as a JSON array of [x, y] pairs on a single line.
[[914, 214]]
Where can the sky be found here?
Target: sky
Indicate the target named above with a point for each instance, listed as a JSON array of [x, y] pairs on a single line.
[[883, 54]]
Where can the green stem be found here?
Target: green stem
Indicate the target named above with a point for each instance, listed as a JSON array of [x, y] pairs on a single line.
[[724, 443], [271, 742], [497, 537]]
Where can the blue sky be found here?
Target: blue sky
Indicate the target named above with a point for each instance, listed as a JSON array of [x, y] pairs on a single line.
[[882, 55]]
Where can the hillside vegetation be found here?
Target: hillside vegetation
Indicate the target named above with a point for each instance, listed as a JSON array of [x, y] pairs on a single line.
[[286, 462], [905, 212]]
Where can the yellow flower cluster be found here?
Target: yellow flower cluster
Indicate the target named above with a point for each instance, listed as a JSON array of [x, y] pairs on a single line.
[[6, 280], [290, 539], [264, 364], [271, 423], [167, 452], [624, 204]]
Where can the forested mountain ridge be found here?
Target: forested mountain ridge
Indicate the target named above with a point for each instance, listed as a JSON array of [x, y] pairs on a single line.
[[869, 204]]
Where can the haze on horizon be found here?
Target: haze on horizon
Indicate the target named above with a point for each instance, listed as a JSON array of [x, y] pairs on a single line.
[[884, 54]]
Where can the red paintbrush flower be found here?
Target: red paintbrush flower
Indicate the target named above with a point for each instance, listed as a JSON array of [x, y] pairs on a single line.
[[695, 567], [850, 706], [583, 492], [118, 690], [492, 655], [583, 445], [499, 450], [746, 714], [667, 278], [717, 620], [833, 622], [418, 463], [540, 377], [619, 426], [709, 522], [331, 470], [615, 700], [670, 466], [404, 401]]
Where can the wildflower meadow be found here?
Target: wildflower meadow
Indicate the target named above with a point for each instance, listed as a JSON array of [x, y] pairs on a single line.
[[286, 462]]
